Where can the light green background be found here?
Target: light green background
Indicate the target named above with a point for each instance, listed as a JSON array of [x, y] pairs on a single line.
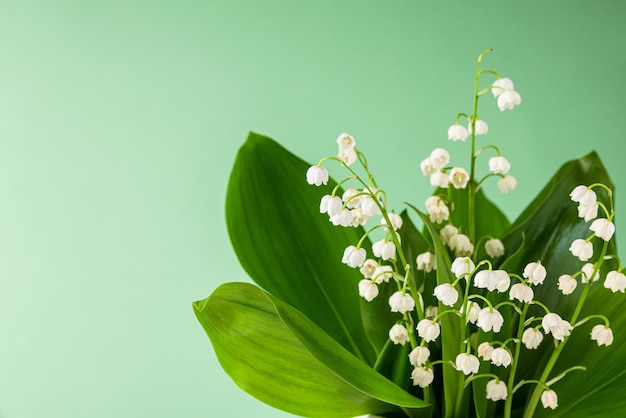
[[119, 122]]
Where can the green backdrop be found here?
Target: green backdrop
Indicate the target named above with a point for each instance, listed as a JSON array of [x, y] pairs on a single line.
[[119, 122]]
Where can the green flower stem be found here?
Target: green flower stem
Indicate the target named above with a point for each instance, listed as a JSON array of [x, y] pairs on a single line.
[[508, 404], [534, 399], [461, 384]]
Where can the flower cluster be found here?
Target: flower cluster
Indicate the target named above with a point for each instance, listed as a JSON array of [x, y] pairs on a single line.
[[478, 293]]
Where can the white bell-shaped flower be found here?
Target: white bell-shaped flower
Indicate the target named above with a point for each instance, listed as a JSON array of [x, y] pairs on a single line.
[[368, 268], [351, 198], [422, 376], [499, 165], [401, 302], [583, 195], [588, 212], [459, 177], [457, 133], [345, 142], [496, 390], [331, 205], [581, 249], [504, 281], [473, 310], [501, 85], [446, 294], [549, 399], [368, 290], [588, 274], [354, 257], [467, 363], [437, 209], [486, 279], [348, 156], [447, 232], [532, 338], [615, 281], [535, 273], [521, 292], [384, 249], [426, 261], [398, 334], [428, 330], [507, 184], [501, 357], [603, 228], [440, 179], [343, 218], [484, 350], [317, 175], [419, 355], [395, 219], [481, 127], [461, 266], [461, 245], [440, 157], [490, 319], [602, 334], [428, 166], [494, 248], [567, 284], [508, 100], [555, 325]]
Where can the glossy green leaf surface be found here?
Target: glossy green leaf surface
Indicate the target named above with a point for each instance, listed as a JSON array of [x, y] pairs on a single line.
[[288, 247], [266, 346]]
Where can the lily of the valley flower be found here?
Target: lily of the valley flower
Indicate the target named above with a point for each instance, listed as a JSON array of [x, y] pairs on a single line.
[[446, 294], [555, 325], [494, 248], [581, 249], [418, 356], [481, 127], [440, 179], [343, 218], [588, 275], [490, 319], [484, 350], [347, 156], [428, 166], [447, 232], [426, 261], [549, 399], [457, 133], [368, 290], [422, 376], [384, 249], [345, 142], [496, 390], [508, 100], [521, 292], [507, 184], [588, 212], [567, 284], [382, 274], [535, 273], [602, 334], [583, 195], [501, 85], [459, 177], [317, 175], [615, 281], [398, 334], [354, 257], [461, 245], [368, 268], [428, 330], [499, 165], [501, 357], [331, 205], [532, 338], [603, 228], [402, 303], [437, 209], [396, 221], [350, 198], [467, 363], [440, 157], [473, 310], [461, 266]]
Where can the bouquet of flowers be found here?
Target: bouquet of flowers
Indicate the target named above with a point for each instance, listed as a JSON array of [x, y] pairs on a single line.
[[359, 311]]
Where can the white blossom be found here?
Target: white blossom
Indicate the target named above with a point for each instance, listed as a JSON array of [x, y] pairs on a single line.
[[345, 142], [400, 302], [504, 281], [581, 249], [461, 266], [359, 217], [484, 350], [507, 184], [532, 338], [489, 319], [567, 284], [384, 249], [428, 166], [382, 274], [549, 399], [496, 390], [467, 363], [602, 334], [501, 85], [494, 248], [440, 179], [343, 218], [459, 177], [426, 261], [331, 205], [395, 219], [486, 279], [615, 281], [419, 355], [368, 290], [317, 175], [583, 196], [457, 133], [347, 156], [588, 212], [481, 127], [559, 328], [368, 268], [535, 273], [446, 294], [501, 357], [448, 232], [461, 245], [440, 157], [422, 376], [398, 334], [603, 228], [350, 198], [499, 165], [428, 330], [588, 270], [437, 209], [521, 292], [473, 310], [508, 100], [354, 257]]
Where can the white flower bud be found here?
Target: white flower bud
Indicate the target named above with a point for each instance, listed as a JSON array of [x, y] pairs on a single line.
[[494, 248], [602, 334], [581, 249], [567, 284], [317, 175], [461, 245], [354, 257]]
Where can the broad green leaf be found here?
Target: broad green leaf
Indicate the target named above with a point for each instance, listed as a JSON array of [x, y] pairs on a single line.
[[266, 345], [288, 247]]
